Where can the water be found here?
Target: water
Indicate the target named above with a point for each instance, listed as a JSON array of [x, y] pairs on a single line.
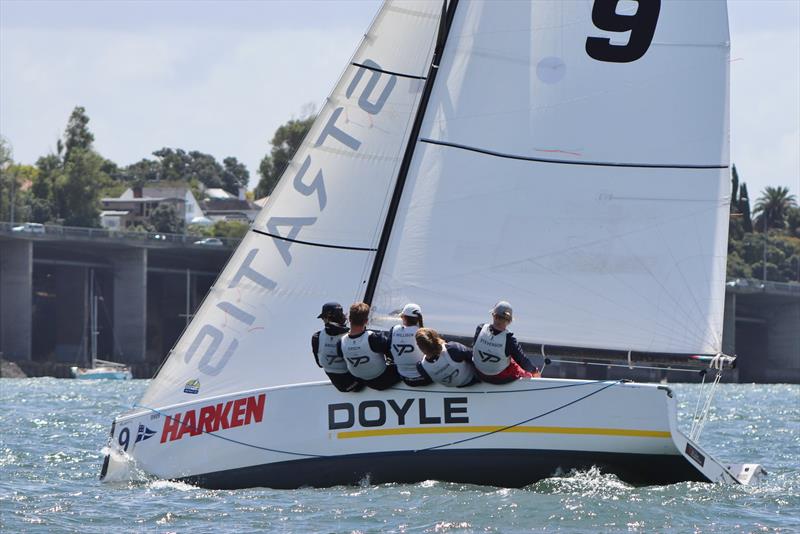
[[52, 432]]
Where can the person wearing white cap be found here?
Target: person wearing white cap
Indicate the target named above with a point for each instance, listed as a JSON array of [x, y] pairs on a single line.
[[403, 346], [324, 346], [497, 355]]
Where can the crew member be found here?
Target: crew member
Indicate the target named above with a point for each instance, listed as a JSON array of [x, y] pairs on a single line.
[[445, 362], [365, 352], [497, 355], [405, 353], [323, 345]]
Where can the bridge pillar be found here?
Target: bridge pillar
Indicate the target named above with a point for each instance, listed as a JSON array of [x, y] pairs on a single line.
[[729, 324], [783, 363], [16, 299], [130, 305]]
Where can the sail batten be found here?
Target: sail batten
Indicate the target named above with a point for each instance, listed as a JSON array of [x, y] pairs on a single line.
[[568, 162]]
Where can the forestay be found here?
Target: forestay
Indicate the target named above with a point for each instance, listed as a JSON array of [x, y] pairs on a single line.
[[574, 161], [314, 240]]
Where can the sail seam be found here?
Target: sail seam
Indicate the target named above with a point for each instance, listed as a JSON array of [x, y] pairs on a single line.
[[390, 72], [323, 245], [567, 162]]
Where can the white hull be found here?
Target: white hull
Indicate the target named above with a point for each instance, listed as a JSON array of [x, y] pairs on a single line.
[[108, 373], [313, 435]]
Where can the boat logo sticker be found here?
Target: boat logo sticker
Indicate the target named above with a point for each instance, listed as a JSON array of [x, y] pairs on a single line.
[[192, 386], [214, 417], [144, 433]]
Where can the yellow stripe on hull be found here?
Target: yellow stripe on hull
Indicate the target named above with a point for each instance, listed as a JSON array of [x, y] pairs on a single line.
[[486, 429]]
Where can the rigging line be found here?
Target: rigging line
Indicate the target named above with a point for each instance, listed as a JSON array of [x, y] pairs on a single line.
[[485, 434], [195, 429], [600, 364], [390, 72], [566, 162], [445, 23], [463, 389], [323, 245]]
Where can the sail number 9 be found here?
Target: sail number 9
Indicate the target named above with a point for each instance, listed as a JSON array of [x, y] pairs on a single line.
[[641, 25]]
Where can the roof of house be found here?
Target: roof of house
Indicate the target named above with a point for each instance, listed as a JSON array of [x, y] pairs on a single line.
[[228, 204], [157, 192]]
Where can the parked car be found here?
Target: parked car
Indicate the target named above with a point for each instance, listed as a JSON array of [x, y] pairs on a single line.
[[33, 228], [210, 241]]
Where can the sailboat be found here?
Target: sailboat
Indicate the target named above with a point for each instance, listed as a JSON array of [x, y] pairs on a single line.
[[98, 368], [571, 157]]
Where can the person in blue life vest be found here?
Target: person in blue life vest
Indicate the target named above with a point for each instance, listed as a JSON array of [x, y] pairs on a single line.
[[323, 345], [496, 353], [445, 362], [365, 352], [403, 346]]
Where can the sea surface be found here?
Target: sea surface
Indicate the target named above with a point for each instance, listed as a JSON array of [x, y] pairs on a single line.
[[52, 433]]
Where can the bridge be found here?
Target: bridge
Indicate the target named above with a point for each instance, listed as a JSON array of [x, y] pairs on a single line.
[[150, 284]]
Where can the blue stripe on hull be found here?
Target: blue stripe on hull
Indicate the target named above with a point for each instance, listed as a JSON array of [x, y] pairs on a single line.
[[505, 468]]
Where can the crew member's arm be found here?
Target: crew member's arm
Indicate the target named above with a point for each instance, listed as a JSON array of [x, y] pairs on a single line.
[[315, 347], [477, 332], [423, 373], [381, 342], [514, 349], [458, 352]]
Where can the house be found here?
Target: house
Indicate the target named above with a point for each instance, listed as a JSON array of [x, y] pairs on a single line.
[[136, 204], [222, 206]]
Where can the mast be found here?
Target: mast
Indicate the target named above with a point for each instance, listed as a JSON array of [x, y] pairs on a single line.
[[445, 22], [92, 319]]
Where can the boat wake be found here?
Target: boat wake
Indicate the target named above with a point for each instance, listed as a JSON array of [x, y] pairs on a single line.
[[586, 483]]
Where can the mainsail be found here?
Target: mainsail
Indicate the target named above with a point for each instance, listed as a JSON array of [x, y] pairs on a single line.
[[573, 160], [314, 241]]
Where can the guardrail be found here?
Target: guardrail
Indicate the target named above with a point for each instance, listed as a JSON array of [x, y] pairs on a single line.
[[752, 285], [54, 230]]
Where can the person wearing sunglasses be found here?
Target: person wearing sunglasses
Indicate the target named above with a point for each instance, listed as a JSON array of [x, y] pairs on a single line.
[[496, 353]]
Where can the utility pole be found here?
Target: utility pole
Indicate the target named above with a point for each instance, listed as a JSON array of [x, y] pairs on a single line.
[[764, 262]]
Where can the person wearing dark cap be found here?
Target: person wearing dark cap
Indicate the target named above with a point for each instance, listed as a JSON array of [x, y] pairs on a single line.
[[403, 345], [366, 353], [324, 343], [497, 355]]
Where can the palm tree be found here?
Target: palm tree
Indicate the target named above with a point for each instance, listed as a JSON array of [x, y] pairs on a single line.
[[772, 207]]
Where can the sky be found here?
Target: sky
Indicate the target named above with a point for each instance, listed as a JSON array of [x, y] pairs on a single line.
[[220, 77]]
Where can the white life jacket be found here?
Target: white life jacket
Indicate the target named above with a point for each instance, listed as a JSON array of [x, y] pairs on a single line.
[[361, 360], [328, 355], [489, 353], [447, 372], [405, 351]]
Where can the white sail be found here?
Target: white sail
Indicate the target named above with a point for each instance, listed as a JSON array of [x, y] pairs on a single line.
[[313, 242], [577, 172]]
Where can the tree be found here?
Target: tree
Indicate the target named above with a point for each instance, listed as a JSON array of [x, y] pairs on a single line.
[[744, 208], [230, 229], [772, 207], [234, 176], [77, 134], [165, 219], [77, 190], [285, 142]]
